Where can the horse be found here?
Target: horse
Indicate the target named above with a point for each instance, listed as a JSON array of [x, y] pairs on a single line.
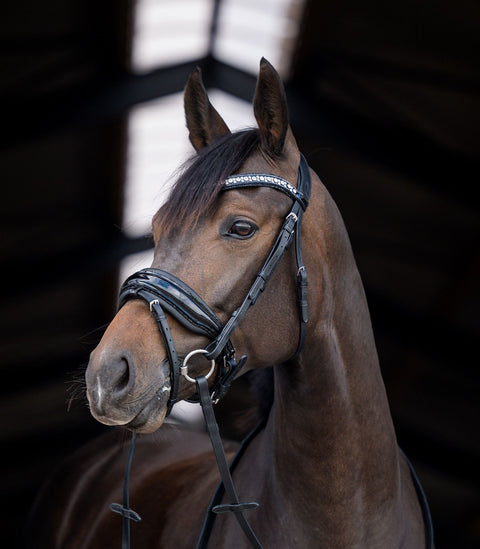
[[324, 468]]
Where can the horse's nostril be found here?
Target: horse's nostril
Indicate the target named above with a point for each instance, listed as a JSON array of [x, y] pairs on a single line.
[[121, 374], [124, 376]]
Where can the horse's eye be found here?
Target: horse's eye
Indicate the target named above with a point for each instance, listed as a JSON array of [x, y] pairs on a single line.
[[242, 229]]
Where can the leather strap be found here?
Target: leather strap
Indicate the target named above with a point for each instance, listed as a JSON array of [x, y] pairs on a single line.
[[280, 247], [152, 298], [220, 491], [124, 509], [173, 359], [234, 504], [291, 225], [422, 498]]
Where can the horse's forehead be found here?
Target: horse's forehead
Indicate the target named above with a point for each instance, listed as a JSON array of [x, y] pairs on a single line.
[[264, 203], [257, 163], [257, 199]]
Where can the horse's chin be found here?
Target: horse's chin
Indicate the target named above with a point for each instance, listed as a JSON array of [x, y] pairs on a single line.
[[148, 420], [145, 419]]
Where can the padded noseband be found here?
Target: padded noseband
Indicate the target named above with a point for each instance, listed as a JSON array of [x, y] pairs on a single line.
[[175, 297]]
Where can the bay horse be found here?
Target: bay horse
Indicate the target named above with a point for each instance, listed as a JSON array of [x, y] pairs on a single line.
[[325, 468]]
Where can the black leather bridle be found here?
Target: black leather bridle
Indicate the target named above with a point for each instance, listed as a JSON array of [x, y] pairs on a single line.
[[167, 294]]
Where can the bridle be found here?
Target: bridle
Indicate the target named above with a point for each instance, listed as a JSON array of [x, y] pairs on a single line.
[[165, 293]]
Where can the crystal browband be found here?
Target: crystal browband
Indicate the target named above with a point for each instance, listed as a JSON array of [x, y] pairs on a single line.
[[252, 179]]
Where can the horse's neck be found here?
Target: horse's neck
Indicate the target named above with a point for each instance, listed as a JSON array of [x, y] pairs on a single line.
[[335, 448]]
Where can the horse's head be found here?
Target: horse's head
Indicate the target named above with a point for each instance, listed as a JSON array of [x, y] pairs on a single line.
[[214, 241]]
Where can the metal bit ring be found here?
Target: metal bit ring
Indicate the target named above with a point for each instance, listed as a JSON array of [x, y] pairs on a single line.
[[184, 367]]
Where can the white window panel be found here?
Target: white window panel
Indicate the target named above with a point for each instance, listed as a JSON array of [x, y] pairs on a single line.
[[249, 30], [158, 145], [166, 32], [133, 263], [237, 113]]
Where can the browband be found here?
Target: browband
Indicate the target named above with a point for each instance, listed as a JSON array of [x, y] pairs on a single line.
[[245, 180]]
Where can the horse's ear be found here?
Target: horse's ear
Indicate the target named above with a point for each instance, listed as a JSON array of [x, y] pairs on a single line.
[[270, 109], [203, 121]]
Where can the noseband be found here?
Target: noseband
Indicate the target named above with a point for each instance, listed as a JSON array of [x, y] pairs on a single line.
[[167, 294]]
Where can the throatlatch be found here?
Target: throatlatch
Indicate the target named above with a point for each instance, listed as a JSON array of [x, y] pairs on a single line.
[[166, 293]]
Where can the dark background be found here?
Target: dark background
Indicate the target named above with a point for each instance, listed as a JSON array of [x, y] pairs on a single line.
[[384, 101]]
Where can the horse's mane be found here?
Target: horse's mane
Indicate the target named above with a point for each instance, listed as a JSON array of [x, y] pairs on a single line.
[[201, 178]]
